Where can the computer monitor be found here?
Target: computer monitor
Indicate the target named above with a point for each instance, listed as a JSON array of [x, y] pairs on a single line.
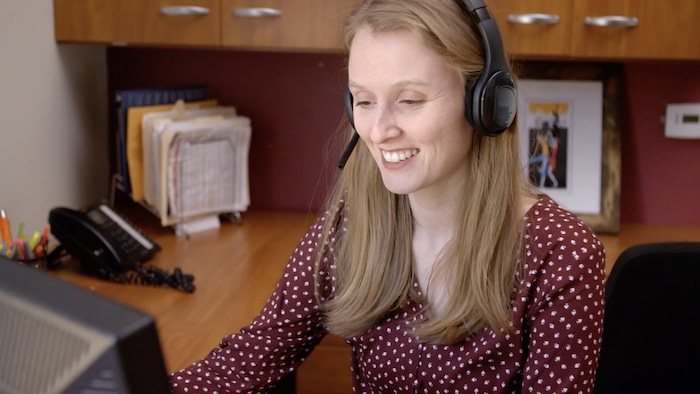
[[56, 337]]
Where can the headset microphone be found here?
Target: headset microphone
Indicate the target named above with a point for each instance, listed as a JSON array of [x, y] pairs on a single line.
[[348, 150], [355, 137]]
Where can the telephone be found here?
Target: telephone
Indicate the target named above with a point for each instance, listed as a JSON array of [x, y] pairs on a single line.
[[105, 242]]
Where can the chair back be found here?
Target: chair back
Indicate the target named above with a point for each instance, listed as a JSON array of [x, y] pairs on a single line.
[[651, 332]]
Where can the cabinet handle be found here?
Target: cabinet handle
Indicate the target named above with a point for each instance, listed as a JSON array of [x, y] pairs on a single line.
[[611, 21], [533, 19], [184, 10], [257, 12]]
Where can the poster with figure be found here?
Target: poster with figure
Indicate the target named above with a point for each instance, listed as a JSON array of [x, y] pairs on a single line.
[[547, 128], [561, 127]]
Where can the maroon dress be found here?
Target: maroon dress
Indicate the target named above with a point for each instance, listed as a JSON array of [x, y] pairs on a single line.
[[553, 348]]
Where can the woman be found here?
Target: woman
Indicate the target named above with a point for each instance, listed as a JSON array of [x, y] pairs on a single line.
[[435, 260]]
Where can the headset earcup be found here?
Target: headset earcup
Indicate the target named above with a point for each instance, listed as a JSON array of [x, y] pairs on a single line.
[[498, 103], [490, 103], [348, 107], [469, 108]]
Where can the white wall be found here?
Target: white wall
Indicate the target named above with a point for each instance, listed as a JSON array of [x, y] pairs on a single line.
[[53, 117]]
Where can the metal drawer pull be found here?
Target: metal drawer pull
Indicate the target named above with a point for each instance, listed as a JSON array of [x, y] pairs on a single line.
[[611, 21], [186, 10], [533, 19], [257, 12]]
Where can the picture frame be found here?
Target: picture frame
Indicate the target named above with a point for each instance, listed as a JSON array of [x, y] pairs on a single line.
[[586, 97]]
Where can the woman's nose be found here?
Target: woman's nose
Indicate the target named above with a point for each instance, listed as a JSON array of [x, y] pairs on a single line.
[[384, 126]]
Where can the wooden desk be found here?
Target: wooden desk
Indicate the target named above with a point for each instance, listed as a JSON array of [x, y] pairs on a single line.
[[236, 269], [635, 234]]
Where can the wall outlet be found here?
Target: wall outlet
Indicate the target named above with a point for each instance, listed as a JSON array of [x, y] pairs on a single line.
[[682, 121]]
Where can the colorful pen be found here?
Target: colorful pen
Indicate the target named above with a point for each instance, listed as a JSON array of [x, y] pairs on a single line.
[[20, 232], [5, 227], [28, 253], [19, 250], [36, 236]]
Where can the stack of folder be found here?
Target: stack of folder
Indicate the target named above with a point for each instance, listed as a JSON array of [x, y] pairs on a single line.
[[188, 160]]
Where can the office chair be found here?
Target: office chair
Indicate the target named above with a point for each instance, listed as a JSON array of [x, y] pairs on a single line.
[[651, 335]]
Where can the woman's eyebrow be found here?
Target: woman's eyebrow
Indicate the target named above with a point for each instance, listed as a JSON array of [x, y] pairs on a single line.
[[400, 84]]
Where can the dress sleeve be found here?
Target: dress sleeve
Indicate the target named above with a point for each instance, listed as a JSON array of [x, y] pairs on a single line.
[[564, 321], [275, 343]]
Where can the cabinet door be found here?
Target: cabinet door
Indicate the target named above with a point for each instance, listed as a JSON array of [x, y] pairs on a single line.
[[88, 21], [534, 28], [286, 25], [636, 29], [170, 22]]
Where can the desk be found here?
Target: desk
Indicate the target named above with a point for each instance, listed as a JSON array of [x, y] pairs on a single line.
[[635, 234], [236, 269]]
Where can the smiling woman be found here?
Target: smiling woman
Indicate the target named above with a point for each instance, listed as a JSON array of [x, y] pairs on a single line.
[[409, 112], [435, 259]]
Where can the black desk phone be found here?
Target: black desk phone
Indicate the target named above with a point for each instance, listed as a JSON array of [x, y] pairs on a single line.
[[105, 242], [110, 247]]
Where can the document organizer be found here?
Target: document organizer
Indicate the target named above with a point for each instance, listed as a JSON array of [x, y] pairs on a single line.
[[152, 126], [204, 168]]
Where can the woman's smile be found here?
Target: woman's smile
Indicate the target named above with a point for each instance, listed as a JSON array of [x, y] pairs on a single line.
[[398, 155]]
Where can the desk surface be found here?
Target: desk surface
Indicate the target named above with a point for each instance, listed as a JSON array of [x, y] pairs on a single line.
[[236, 269]]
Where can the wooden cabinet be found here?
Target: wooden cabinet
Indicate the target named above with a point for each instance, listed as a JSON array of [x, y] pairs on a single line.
[[599, 30], [168, 22], [539, 28], [278, 24], [549, 29], [85, 21], [665, 29], [153, 22], [312, 25]]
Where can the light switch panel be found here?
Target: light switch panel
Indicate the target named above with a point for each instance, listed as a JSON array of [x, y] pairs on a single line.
[[682, 121]]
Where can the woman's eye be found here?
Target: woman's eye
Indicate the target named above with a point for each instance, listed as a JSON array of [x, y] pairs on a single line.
[[362, 103], [411, 101]]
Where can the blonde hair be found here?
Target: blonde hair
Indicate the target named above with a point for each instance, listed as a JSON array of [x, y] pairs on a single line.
[[372, 252]]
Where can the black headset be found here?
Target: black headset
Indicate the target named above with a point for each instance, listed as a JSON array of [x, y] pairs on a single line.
[[491, 101]]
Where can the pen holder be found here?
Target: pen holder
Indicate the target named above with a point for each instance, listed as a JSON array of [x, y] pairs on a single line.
[[30, 251]]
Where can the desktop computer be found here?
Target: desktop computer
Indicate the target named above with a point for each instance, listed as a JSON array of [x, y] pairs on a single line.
[[57, 338]]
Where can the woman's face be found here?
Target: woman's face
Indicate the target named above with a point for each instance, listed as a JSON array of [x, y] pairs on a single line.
[[409, 111]]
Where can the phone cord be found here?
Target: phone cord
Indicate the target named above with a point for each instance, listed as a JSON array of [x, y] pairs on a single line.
[[154, 276]]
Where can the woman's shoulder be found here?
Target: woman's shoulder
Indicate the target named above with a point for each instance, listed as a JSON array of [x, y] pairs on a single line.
[[547, 215], [561, 255], [551, 229]]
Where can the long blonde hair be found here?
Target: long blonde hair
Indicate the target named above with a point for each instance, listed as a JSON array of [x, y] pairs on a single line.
[[372, 253]]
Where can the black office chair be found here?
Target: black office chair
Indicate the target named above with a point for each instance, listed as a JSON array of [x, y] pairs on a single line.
[[651, 334]]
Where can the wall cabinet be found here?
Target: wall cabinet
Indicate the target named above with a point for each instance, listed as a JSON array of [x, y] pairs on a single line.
[[541, 29], [311, 25], [275, 24], [152, 22], [600, 30]]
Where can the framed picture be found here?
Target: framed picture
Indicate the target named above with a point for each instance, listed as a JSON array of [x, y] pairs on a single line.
[[561, 133], [570, 144]]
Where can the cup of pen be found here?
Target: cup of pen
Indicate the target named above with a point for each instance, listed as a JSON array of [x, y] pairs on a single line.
[[30, 250]]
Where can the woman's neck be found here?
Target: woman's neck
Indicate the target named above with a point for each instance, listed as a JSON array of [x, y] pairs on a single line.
[[435, 223]]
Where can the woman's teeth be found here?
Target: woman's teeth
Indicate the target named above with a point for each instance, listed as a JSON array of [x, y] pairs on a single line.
[[395, 157]]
